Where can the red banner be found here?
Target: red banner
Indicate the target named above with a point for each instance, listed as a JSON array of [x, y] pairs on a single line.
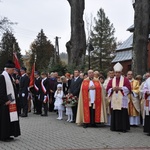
[[32, 76], [16, 61]]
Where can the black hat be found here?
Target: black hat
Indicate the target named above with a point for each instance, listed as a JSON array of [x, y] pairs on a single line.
[[36, 72], [23, 68], [17, 70], [10, 64]]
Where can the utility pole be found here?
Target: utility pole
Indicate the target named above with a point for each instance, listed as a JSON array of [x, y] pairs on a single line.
[[56, 49], [90, 48]]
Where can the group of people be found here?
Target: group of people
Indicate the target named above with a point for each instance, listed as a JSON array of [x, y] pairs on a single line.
[[119, 101]]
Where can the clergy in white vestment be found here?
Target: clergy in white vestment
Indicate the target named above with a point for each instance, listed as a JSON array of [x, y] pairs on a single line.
[[108, 105], [146, 91], [142, 98], [134, 102]]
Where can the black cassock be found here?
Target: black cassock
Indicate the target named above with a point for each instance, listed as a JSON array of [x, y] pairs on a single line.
[[7, 128]]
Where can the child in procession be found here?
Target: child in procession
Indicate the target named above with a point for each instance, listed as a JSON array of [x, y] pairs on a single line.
[[58, 101]]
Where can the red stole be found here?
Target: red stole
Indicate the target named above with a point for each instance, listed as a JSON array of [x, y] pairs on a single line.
[[86, 100]]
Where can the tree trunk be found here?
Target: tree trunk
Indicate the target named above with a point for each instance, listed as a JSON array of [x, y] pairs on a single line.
[[76, 47], [141, 33]]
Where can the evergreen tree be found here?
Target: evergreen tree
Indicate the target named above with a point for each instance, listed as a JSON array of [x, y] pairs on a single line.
[[44, 50], [59, 67], [8, 46], [103, 41], [64, 57]]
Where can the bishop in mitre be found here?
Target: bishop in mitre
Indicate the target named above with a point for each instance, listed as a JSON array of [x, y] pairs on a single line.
[[91, 104], [118, 89]]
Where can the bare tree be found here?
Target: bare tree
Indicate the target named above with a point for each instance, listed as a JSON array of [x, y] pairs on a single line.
[[141, 33], [76, 47], [5, 25], [89, 26]]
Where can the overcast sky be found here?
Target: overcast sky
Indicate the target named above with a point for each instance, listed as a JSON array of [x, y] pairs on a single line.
[[53, 16]]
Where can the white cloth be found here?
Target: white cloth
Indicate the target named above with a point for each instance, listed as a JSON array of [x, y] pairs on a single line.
[[43, 87], [69, 111], [141, 94], [118, 67], [59, 86], [23, 75], [58, 100], [92, 93], [134, 120], [106, 82], [75, 78], [10, 90], [23, 94], [108, 120], [124, 98]]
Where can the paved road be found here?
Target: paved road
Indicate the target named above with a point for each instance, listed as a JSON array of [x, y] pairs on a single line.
[[47, 133]]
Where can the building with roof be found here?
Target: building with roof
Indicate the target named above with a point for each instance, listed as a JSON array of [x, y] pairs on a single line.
[[124, 53]]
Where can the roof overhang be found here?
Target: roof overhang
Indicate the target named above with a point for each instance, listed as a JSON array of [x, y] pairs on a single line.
[[122, 56]]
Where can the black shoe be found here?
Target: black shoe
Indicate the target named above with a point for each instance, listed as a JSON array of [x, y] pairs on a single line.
[[44, 115], [134, 126], [85, 126], [148, 134], [24, 115], [7, 139], [94, 125], [36, 113], [10, 138], [72, 121]]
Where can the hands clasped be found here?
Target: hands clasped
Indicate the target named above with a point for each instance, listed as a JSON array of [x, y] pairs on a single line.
[[117, 88], [8, 102], [92, 87]]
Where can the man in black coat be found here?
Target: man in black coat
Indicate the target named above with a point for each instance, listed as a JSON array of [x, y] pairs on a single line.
[[9, 121], [44, 93], [23, 91], [52, 85], [37, 88], [75, 90]]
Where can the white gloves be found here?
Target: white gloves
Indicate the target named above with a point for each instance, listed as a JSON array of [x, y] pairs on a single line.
[[38, 97], [23, 94], [45, 99]]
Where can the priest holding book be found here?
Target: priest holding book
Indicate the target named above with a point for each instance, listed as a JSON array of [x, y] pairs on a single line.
[[9, 121]]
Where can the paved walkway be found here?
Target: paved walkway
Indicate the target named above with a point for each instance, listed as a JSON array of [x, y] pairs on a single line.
[[47, 133]]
